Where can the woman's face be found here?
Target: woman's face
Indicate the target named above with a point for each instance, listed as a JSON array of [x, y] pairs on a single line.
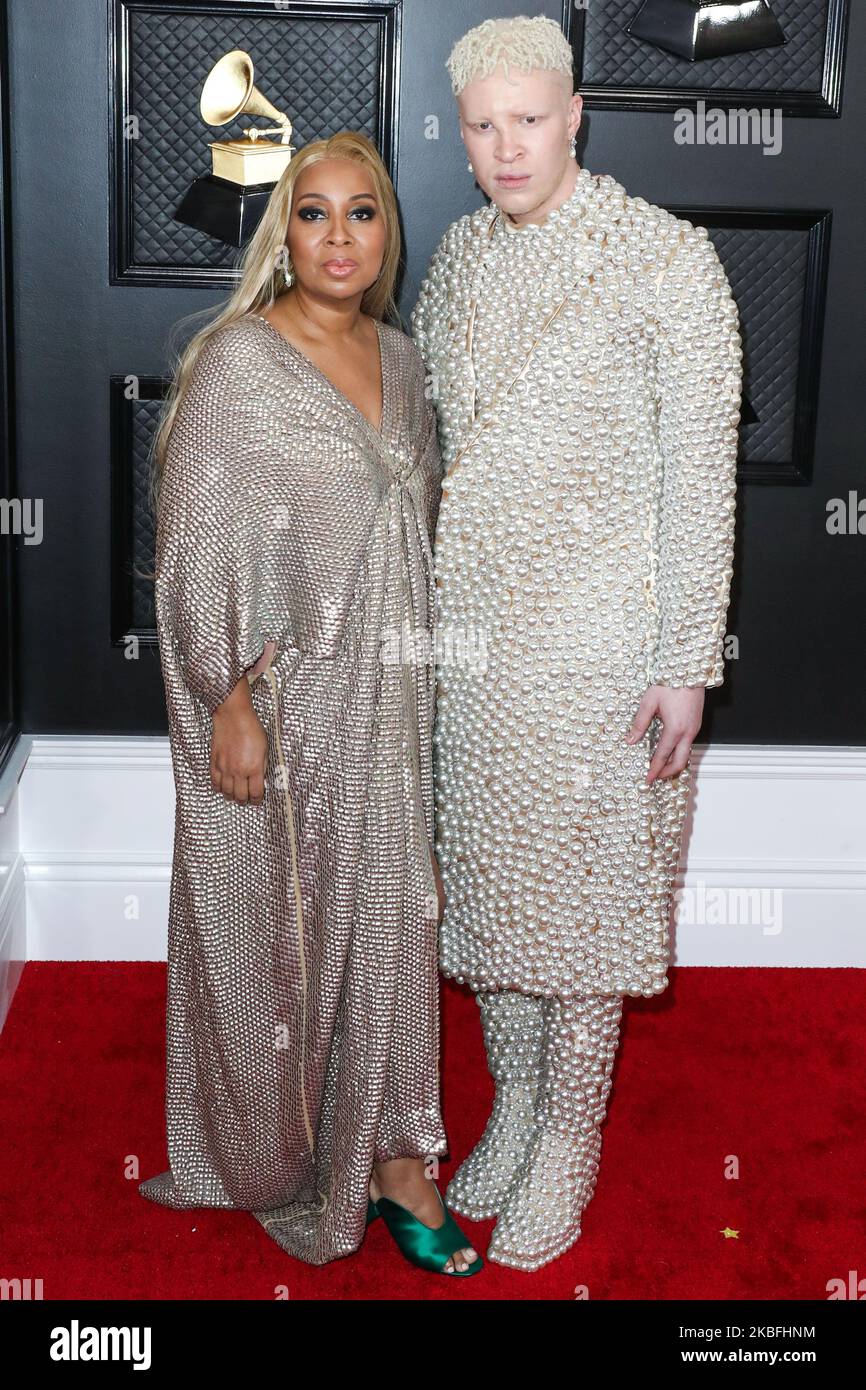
[[336, 234]]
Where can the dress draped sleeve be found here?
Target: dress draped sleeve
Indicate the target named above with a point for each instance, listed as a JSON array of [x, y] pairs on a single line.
[[699, 380], [215, 530]]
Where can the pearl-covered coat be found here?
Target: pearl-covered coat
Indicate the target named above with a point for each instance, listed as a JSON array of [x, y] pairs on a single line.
[[586, 373]]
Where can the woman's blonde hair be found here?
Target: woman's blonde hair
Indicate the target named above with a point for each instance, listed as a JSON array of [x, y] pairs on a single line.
[[261, 266]]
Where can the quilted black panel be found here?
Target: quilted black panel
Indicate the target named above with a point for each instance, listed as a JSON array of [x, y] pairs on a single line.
[[328, 71], [611, 55], [777, 265], [133, 430], [807, 69], [144, 421], [767, 272]]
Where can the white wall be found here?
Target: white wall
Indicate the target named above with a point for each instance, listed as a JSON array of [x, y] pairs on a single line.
[[774, 855]]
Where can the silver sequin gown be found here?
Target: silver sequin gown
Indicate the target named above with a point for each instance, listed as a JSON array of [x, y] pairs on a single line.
[[303, 1005], [588, 425]]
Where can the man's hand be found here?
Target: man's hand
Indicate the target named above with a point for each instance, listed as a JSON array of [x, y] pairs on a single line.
[[680, 710], [239, 748]]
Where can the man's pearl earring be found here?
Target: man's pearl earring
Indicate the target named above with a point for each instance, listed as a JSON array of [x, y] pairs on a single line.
[[469, 167]]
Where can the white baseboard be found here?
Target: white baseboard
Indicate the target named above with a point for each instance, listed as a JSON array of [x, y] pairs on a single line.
[[773, 869], [13, 906], [97, 832]]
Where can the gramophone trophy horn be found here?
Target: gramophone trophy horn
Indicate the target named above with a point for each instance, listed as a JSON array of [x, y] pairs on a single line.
[[228, 202], [229, 89]]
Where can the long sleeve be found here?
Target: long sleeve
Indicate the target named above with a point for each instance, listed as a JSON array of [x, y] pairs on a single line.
[[699, 380], [420, 319], [214, 530]]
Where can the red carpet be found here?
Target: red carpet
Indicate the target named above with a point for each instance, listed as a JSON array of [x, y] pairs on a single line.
[[763, 1065]]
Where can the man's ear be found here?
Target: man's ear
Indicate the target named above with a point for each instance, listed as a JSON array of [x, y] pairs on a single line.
[[576, 108]]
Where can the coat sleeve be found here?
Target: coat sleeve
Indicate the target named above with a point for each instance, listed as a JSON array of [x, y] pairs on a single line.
[[213, 531], [418, 316], [421, 317], [699, 380]]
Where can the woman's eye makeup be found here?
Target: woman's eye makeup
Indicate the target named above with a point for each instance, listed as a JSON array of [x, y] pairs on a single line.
[[311, 213]]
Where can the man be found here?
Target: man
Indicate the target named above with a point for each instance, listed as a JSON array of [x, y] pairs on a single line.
[[585, 358]]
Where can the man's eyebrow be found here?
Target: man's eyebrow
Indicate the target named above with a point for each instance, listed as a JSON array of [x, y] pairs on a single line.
[[531, 111]]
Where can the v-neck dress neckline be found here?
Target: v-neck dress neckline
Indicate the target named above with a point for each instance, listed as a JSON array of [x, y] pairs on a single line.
[[379, 432]]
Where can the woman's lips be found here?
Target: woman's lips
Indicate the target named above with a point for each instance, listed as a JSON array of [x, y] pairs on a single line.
[[340, 268]]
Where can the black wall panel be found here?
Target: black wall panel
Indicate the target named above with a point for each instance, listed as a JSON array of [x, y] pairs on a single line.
[[101, 273]]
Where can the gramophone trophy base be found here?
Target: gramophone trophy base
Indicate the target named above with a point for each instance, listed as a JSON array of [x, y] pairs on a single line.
[[227, 211], [250, 162]]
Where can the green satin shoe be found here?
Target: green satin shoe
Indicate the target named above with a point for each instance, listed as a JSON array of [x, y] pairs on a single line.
[[422, 1245]]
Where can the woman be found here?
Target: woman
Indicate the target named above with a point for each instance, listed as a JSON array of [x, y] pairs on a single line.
[[297, 484]]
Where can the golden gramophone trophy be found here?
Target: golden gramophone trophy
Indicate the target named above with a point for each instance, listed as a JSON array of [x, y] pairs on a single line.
[[228, 203]]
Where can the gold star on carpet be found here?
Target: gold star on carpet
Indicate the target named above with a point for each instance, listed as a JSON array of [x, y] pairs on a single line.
[[729, 1234]]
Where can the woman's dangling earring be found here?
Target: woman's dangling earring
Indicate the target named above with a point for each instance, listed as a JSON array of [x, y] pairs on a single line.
[[573, 147], [469, 167], [288, 269]]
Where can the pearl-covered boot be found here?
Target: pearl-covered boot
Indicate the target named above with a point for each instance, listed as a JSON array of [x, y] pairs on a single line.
[[540, 1218], [513, 1027]]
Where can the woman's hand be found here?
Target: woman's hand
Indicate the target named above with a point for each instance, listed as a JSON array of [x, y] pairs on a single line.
[[680, 710], [239, 748]]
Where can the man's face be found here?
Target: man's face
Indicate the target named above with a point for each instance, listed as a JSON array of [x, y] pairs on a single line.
[[517, 130]]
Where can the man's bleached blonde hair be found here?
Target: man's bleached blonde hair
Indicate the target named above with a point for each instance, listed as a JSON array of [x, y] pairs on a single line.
[[523, 42]]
